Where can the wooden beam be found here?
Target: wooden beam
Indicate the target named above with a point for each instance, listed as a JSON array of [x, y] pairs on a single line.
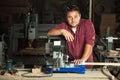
[[14, 10], [15, 3], [102, 63], [99, 63]]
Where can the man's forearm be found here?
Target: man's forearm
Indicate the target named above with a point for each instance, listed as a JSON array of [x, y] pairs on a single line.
[[54, 32], [87, 52]]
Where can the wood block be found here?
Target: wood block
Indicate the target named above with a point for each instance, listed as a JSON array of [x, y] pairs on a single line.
[[36, 70]]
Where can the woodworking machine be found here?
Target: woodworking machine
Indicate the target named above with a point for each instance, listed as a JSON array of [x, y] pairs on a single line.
[[60, 61]]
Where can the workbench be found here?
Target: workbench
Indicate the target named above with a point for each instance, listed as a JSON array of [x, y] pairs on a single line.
[[89, 75]]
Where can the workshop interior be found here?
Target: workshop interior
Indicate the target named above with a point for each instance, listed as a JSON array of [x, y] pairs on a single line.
[[24, 43]]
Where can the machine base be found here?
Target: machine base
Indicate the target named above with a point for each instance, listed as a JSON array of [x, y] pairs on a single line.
[[77, 69]]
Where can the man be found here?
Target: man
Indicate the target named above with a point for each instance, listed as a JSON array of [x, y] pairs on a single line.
[[79, 34]]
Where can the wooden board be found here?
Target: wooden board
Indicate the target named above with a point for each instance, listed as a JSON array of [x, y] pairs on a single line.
[[89, 75]]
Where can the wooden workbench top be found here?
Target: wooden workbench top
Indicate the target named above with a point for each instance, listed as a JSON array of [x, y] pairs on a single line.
[[89, 75]]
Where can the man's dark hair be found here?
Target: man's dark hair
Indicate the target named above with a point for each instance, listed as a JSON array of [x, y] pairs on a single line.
[[71, 8]]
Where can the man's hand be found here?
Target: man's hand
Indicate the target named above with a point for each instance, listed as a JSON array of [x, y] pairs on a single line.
[[68, 36], [78, 61]]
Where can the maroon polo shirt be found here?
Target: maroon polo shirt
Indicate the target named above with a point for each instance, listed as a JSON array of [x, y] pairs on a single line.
[[84, 34]]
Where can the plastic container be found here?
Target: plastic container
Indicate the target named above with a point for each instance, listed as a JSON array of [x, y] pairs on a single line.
[[9, 65]]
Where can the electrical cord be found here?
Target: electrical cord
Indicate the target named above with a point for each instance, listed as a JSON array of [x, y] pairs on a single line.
[[25, 75]]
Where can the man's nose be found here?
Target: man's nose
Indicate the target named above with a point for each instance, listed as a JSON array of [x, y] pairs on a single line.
[[73, 19]]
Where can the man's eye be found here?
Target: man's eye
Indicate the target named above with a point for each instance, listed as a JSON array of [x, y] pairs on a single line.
[[69, 17], [76, 16]]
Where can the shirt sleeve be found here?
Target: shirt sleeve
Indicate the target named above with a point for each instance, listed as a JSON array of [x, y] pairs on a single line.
[[89, 33], [60, 26]]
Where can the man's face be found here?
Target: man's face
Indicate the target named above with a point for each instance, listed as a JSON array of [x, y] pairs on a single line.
[[73, 18]]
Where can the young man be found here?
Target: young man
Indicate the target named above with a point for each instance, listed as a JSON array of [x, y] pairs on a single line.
[[79, 34]]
